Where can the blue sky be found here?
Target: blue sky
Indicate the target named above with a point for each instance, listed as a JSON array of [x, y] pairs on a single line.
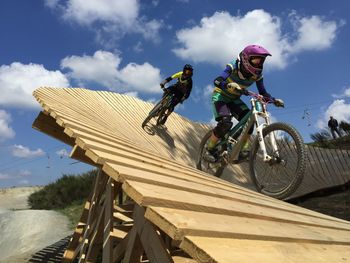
[[129, 46]]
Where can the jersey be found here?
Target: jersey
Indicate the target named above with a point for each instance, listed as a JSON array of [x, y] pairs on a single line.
[[184, 86], [232, 74]]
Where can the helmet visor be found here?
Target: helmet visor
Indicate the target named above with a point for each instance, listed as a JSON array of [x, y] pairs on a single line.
[[257, 61]]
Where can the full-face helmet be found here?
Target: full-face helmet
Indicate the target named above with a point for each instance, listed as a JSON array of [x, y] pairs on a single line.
[[187, 71], [252, 59]]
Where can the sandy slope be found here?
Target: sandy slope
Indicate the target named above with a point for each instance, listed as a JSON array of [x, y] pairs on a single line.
[[23, 231]]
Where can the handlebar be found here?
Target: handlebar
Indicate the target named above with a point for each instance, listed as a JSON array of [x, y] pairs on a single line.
[[259, 97]]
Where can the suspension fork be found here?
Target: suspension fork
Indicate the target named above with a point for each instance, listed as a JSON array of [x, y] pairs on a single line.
[[260, 137]]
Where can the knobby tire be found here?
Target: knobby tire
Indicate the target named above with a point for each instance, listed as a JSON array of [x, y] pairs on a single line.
[[289, 173]]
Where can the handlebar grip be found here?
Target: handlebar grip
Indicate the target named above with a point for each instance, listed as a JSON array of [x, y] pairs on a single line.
[[245, 92]]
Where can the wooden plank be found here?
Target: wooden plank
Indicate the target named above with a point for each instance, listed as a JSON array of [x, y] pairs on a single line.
[[119, 232], [151, 195], [320, 164], [224, 250], [158, 160], [332, 155], [344, 164], [178, 259], [115, 172], [133, 154], [312, 170], [180, 223], [187, 183], [329, 166], [119, 217]]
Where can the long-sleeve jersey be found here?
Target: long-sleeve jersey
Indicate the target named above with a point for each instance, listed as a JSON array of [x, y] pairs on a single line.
[[182, 85], [230, 74]]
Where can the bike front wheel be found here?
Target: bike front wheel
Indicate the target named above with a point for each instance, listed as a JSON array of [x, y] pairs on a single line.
[[282, 175], [153, 113], [216, 168]]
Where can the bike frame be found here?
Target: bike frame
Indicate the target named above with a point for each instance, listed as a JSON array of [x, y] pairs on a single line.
[[250, 119]]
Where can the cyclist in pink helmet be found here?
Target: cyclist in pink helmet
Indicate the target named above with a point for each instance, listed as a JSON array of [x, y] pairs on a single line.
[[238, 75]]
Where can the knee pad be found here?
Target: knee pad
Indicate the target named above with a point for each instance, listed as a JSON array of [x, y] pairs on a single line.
[[223, 126]]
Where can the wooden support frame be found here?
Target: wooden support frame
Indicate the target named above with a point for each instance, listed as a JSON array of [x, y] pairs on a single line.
[[143, 237], [157, 177]]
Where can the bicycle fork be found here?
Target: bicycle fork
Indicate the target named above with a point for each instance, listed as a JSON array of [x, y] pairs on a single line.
[[272, 139]]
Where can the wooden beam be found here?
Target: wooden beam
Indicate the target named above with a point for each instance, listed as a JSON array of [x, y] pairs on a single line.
[[79, 154], [134, 249], [46, 124], [152, 243], [107, 252]]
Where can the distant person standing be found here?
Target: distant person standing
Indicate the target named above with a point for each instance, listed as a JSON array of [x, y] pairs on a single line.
[[333, 125]]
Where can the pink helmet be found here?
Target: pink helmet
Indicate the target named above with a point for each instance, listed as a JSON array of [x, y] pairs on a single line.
[[252, 59]]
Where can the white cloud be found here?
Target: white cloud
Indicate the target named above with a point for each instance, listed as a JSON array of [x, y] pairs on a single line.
[[6, 132], [107, 16], [313, 33], [143, 77], [219, 38], [339, 109], [347, 92], [18, 81], [123, 12], [24, 152], [132, 94], [103, 68]]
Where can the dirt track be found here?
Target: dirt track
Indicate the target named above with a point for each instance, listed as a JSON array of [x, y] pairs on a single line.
[[24, 232]]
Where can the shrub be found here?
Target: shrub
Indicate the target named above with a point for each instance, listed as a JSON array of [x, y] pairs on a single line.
[[345, 127], [65, 191], [321, 136]]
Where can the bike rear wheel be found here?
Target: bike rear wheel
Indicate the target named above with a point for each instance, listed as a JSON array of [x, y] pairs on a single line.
[[280, 177], [215, 169]]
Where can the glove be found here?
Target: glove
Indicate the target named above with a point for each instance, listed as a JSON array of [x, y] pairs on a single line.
[[279, 103], [234, 88]]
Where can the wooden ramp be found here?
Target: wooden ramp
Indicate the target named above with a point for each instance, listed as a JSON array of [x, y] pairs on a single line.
[[150, 205]]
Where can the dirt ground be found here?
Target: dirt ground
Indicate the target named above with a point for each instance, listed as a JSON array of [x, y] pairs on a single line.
[[24, 232]]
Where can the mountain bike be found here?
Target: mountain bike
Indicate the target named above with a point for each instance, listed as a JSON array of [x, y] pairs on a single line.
[[160, 110], [277, 156]]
